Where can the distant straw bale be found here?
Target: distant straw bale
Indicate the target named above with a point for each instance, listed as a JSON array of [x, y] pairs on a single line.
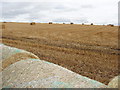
[[32, 23], [110, 25], [4, 22], [91, 23], [50, 23], [71, 23], [82, 23]]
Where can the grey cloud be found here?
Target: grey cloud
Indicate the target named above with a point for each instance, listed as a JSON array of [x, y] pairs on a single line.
[[77, 20], [15, 9], [61, 20], [81, 20], [87, 6], [14, 13], [53, 6], [60, 7], [35, 10], [12, 9], [45, 6], [78, 11]]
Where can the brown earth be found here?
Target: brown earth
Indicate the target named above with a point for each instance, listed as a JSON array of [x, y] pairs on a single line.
[[89, 50]]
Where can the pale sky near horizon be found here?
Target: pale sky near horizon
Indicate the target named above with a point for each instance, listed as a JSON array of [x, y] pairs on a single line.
[[77, 11]]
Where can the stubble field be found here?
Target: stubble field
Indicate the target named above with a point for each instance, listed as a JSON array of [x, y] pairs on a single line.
[[90, 51]]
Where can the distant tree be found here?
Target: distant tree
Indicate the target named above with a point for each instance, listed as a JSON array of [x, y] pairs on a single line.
[[71, 23]]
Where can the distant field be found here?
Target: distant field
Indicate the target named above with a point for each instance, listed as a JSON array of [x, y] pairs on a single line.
[[90, 51]]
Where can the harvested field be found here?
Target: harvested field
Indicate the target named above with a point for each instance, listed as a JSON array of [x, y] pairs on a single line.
[[89, 50]]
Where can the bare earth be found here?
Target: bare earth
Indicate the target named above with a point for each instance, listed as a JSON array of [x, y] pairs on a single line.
[[91, 51]]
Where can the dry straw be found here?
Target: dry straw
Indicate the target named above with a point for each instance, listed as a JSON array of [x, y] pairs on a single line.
[[3, 26]]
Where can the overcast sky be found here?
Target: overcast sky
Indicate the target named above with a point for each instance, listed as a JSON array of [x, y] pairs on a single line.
[[77, 11]]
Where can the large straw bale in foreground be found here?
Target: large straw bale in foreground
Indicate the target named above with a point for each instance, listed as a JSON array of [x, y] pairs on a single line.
[[27, 71], [35, 73]]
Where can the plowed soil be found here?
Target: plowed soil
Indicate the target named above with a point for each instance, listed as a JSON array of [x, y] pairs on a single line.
[[89, 50]]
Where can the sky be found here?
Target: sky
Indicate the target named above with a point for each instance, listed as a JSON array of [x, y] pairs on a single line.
[[59, 11]]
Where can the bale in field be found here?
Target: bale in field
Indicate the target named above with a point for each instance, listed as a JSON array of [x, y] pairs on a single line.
[[32, 23], [63, 23], [82, 23], [4, 22], [91, 23], [11, 55], [110, 25], [71, 23], [50, 23], [114, 82], [34, 73]]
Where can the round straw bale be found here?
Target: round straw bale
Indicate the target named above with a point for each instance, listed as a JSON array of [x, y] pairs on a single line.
[[91, 23], [32, 23], [83, 24], [11, 55], [110, 25], [35, 73], [50, 23]]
